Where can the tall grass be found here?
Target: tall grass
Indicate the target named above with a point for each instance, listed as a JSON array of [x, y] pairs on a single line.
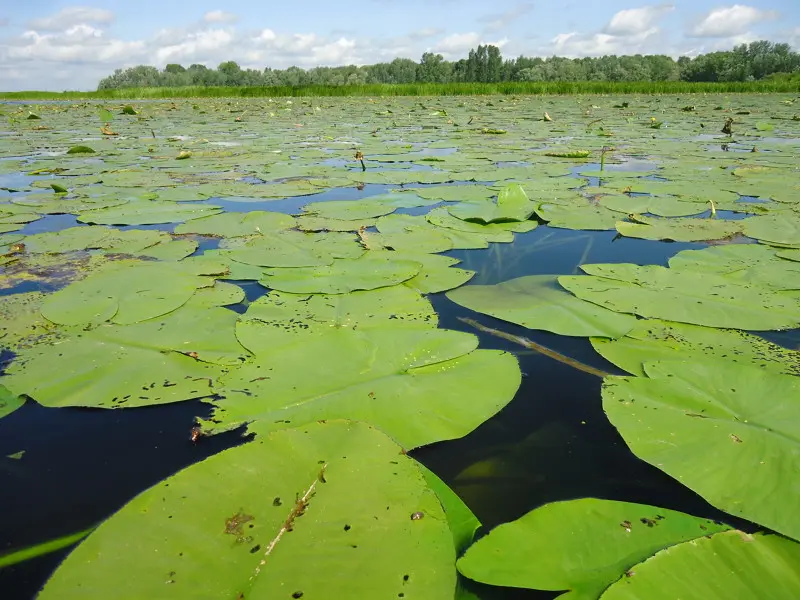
[[424, 89]]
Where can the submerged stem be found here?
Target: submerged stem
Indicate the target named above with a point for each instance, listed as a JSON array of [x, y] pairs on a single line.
[[522, 341]]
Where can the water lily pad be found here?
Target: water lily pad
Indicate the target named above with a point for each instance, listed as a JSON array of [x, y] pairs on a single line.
[[705, 423], [685, 296], [348, 210], [653, 340], [538, 302], [251, 520], [237, 224], [678, 230], [344, 275], [662, 206], [9, 402], [578, 215], [282, 249], [436, 272], [730, 564], [126, 292], [512, 205], [307, 223], [579, 545], [419, 385], [279, 318], [780, 229], [147, 212]]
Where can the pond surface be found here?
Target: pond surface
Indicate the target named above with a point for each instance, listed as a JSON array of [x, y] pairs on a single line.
[[552, 442]]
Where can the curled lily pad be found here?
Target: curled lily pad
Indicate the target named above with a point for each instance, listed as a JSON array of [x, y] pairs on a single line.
[[512, 205], [344, 275], [254, 518], [419, 385], [685, 296], [80, 150], [538, 302], [706, 424], [579, 546]]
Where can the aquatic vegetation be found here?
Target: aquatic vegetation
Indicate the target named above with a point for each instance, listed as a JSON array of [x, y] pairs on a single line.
[[310, 278]]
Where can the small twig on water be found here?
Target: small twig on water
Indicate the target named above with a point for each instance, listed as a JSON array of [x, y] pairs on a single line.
[[525, 342]]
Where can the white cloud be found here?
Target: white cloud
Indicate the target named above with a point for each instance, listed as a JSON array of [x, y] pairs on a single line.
[[71, 16], [633, 21], [196, 47], [457, 43], [220, 16], [576, 44], [729, 21]]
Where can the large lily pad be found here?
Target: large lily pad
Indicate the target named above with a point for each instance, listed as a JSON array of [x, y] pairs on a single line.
[[323, 511], [237, 224], [128, 291], [730, 564], [782, 229], [148, 212], [685, 296], [349, 210], [653, 340], [581, 545], [419, 385], [344, 275], [678, 230], [729, 432], [580, 214], [538, 302]]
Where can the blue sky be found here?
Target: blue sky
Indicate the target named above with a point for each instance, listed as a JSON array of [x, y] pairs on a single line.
[[55, 45]]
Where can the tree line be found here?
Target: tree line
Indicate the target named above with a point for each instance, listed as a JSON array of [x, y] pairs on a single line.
[[484, 64]]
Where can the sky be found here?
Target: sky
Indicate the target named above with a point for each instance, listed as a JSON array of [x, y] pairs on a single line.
[[57, 45]]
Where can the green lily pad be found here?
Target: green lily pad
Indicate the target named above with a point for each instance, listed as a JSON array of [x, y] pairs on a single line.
[[411, 239], [237, 224], [538, 302], [250, 520], [705, 424], [512, 205], [279, 318], [730, 564], [126, 292], [147, 212], [307, 223], [685, 296], [578, 215], [653, 340], [344, 275], [779, 229], [436, 274], [419, 385], [678, 230], [80, 150], [661, 206], [348, 210], [9, 402], [579, 545], [745, 263]]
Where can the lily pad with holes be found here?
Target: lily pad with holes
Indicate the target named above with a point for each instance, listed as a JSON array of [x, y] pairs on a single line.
[[685, 296], [250, 522], [728, 431], [419, 385], [279, 318], [653, 340], [580, 546], [538, 302]]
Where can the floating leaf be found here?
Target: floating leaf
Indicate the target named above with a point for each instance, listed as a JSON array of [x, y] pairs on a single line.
[[512, 205], [538, 302], [705, 423], [419, 385], [80, 150], [579, 545], [653, 340], [344, 275], [685, 296], [780, 229], [678, 230], [149, 212], [348, 210], [9, 402], [251, 520]]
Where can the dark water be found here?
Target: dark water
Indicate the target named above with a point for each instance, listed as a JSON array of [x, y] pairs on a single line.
[[552, 442]]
